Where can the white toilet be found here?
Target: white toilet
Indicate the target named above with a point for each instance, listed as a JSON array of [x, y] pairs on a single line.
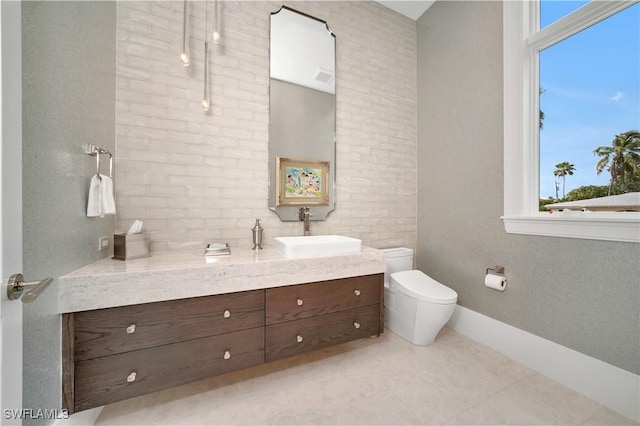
[[416, 306]]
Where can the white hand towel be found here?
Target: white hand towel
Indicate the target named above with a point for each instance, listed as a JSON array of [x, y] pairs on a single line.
[[107, 202], [101, 199], [93, 204]]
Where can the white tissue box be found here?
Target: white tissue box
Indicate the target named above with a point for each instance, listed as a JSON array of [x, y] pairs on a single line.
[[133, 246]]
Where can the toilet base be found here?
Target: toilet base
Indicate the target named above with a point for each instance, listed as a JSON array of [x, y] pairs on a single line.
[[416, 321], [408, 338]]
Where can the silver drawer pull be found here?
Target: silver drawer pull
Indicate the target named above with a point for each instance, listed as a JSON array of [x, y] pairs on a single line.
[[300, 302], [356, 324], [227, 314], [227, 355], [131, 377], [356, 292], [131, 329], [299, 338]]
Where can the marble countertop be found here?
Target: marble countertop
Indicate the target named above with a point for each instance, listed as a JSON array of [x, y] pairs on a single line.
[[181, 274]]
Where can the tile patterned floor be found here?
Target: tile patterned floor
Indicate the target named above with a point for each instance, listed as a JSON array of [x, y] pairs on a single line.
[[380, 381]]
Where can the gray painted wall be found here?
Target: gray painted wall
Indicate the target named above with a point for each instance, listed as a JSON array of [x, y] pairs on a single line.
[[68, 99], [582, 294]]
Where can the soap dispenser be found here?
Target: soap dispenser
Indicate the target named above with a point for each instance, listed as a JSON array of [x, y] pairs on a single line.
[[257, 235]]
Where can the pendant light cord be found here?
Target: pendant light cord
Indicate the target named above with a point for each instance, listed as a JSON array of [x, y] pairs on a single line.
[[205, 100]]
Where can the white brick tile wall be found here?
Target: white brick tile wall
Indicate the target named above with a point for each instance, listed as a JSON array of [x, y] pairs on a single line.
[[194, 177]]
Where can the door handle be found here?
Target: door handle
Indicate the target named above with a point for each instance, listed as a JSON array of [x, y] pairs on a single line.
[[16, 286]]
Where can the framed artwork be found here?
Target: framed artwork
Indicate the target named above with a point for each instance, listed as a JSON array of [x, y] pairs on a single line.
[[302, 182]]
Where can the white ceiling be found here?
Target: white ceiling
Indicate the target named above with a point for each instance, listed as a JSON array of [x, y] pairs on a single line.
[[410, 8]]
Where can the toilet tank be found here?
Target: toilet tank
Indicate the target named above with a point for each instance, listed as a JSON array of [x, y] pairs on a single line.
[[398, 259]]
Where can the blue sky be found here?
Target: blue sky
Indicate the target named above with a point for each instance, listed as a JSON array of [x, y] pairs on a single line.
[[591, 85]]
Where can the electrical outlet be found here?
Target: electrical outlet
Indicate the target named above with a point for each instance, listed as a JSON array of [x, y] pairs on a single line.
[[103, 243]]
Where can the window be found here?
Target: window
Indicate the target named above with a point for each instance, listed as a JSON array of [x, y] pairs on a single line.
[[589, 97], [525, 37]]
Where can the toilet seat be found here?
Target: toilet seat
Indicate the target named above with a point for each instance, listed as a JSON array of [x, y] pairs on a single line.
[[421, 286]]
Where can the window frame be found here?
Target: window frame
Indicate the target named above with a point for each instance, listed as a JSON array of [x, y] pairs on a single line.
[[522, 41]]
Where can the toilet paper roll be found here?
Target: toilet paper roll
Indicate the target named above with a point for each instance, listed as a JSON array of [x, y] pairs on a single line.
[[496, 282]]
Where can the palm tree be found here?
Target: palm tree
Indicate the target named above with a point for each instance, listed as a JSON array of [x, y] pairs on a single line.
[[622, 157], [563, 169]]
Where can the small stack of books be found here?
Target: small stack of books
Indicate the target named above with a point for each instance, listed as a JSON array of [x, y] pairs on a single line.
[[217, 249]]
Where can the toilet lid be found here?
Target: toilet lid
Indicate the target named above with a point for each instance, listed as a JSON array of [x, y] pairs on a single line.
[[421, 286]]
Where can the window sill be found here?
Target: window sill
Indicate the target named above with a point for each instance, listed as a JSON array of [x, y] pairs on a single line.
[[585, 225]]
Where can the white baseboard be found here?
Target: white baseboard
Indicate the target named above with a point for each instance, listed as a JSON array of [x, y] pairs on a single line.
[[614, 387], [82, 418]]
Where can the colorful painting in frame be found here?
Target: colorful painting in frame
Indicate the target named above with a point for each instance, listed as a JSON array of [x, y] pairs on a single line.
[[302, 182]]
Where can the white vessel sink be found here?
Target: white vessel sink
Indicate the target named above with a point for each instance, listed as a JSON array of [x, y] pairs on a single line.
[[316, 245]]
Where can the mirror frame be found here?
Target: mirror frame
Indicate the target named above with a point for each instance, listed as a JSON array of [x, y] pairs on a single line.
[[288, 213]]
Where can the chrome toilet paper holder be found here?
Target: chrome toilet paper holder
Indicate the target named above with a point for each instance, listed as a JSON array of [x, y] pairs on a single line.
[[496, 270]]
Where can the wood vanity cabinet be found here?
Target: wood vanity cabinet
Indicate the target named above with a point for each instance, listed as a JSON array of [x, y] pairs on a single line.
[[307, 317], [118, 353], [112, 331]]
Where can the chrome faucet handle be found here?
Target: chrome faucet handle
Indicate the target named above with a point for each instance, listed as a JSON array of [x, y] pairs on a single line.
[[304, 213]]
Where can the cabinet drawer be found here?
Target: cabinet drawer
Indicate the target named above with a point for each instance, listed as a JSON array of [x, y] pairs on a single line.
[[296, 337], [117, 330], [307, 300], [109, 379]]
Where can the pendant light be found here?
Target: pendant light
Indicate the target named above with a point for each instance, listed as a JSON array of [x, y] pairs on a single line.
[[184, 55], [205, 101], [217, 22]]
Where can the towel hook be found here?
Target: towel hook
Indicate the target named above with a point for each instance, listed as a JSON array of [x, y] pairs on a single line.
[[98, 165], [91, 149]]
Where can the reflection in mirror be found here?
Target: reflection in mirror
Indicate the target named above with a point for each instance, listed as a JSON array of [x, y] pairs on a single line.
[[302, 116]]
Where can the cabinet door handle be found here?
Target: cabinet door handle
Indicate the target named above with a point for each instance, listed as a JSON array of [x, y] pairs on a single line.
[[356, 324], [299, 338], [356, 292], [227, 313], [131, 329], [227, 355], [131, 377], [300, 302]]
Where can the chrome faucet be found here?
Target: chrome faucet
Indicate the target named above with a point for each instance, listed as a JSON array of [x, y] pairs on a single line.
[[305, 215]]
